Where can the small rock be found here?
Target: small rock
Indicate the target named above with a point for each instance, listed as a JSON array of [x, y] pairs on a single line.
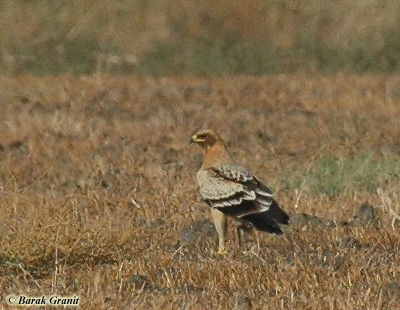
[[365, 215], [197, 230], [141, 282], [243, 303], [350, 242]]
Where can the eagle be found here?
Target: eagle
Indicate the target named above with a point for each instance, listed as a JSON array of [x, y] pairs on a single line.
[[233, 191]]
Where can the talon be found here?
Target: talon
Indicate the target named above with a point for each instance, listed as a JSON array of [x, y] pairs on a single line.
[[220, 252]]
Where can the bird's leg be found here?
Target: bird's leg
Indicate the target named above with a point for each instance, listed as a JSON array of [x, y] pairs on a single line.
[[220, 222], [240, 230], [257, 237]]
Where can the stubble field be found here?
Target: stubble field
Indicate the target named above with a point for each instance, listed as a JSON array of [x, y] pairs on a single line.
[[98, 191]]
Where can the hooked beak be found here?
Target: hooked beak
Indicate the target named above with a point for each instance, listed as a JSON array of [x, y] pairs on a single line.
[[193, 139]]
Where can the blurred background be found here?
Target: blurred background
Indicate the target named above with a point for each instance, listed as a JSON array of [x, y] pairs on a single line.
[[202, 37]]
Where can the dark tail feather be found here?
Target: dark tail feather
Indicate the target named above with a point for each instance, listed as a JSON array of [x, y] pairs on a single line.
[[263, 222], [269, 220], [277, 214]]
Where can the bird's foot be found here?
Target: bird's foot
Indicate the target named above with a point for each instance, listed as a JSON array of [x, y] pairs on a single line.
[[222, 252]]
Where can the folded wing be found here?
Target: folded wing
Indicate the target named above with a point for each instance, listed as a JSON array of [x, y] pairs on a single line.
[[234, 191]]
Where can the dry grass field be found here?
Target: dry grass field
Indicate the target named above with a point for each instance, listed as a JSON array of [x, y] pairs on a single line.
[[98, 191], [200, 37]]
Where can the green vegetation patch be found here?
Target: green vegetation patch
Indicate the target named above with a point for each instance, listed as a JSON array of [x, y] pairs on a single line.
[[332, 175]]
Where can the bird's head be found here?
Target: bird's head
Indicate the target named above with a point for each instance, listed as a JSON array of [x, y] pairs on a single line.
[[206, 138]]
